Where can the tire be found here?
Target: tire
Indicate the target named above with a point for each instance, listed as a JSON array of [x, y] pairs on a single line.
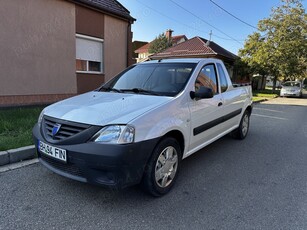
[[162, 168], [241, 132]]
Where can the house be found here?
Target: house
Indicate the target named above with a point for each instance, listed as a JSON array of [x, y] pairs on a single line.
[[51, 50], [270, 82], [198, 47], [136, 45], [143, 52]]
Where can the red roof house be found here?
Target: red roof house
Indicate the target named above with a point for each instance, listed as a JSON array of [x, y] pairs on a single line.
[[198, 47], [143, 52]]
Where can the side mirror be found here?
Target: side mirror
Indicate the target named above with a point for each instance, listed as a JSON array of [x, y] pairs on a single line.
[[202, 93]]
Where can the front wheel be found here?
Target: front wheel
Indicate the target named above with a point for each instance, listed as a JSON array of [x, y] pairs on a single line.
[[241, 132], [162, 168]]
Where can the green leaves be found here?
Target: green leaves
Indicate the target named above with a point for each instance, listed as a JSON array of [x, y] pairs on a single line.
[[159, 44], [280, 46]]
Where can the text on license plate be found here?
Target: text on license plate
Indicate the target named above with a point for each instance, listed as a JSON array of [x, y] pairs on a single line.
[[52, 151]]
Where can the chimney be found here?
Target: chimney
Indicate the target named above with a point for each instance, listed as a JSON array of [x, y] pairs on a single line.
[[208, 41], [168, 34]]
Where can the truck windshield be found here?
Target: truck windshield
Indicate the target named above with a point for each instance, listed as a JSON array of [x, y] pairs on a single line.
[[166, 79]]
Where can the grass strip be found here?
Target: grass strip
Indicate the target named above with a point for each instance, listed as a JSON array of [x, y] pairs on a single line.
[[16, 126]]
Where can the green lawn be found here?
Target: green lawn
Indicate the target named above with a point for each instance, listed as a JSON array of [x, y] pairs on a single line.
[[259, 95], [16, 127]]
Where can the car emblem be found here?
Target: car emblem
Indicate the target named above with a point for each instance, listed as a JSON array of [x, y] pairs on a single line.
[[56, 129]]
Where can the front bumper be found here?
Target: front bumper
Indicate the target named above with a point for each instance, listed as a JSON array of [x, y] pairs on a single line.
[[290, 94], [110, 165]]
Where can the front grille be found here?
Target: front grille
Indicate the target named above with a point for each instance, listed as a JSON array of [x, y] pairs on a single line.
[[67, 129], [68, 168]]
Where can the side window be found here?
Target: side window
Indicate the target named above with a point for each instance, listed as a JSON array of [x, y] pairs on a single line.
[[223, 80], [207, 77]]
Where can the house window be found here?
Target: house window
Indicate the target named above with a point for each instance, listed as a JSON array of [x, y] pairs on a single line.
[[89, 54]]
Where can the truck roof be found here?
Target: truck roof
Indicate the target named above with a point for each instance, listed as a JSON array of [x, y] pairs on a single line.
[[180, 60]]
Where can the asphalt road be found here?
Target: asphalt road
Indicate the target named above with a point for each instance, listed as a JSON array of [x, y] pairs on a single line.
[[258, 183]]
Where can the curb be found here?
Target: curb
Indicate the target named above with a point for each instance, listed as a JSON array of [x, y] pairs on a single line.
[[17, 155], [256, 102], [265, 99]]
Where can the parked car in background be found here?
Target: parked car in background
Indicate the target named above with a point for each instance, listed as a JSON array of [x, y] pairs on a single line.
[[291, 89]]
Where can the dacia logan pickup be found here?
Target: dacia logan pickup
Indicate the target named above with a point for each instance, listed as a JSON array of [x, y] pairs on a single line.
[[139, 126]]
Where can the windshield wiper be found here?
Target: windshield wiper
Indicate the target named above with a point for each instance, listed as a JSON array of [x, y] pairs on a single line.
[[108, 89], [142, 91]]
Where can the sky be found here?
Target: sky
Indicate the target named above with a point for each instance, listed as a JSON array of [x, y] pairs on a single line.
[[198, 18]]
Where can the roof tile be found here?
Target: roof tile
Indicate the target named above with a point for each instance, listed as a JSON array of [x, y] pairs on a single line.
[[111, 6], [195, 46], [143, 49]]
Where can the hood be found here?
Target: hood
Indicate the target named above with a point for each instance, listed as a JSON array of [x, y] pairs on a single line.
[[102, 108]]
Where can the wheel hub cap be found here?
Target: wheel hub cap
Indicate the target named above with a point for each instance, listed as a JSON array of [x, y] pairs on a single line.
[[245, 124], [166, 167]]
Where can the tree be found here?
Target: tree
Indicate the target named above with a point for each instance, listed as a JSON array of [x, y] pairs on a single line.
[[159, 44], [279, 47], [241, 70]]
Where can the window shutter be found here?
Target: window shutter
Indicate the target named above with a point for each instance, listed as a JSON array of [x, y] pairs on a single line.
[[89, 50]]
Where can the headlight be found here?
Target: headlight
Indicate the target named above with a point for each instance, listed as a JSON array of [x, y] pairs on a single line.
[[115, 134], [40, 118]]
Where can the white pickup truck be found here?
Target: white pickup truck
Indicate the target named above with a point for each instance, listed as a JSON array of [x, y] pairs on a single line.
[[137, 127]]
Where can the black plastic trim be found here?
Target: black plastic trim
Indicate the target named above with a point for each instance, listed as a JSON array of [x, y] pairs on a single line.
[[61, 172], [215, 122], [109, 165], [80, 137]]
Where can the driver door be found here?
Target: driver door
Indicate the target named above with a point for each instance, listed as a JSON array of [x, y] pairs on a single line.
[[205, 113]]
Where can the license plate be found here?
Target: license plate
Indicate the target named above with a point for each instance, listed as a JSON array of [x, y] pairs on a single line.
[[52, 151]]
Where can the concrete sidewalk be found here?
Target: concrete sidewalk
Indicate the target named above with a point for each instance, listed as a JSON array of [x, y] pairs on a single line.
[[17, 155], [288, 101]]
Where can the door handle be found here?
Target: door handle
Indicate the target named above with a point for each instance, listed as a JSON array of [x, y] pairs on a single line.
[[220, 104]]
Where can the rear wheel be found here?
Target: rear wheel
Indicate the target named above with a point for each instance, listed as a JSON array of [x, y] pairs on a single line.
[[162, 168], [241, 132]]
